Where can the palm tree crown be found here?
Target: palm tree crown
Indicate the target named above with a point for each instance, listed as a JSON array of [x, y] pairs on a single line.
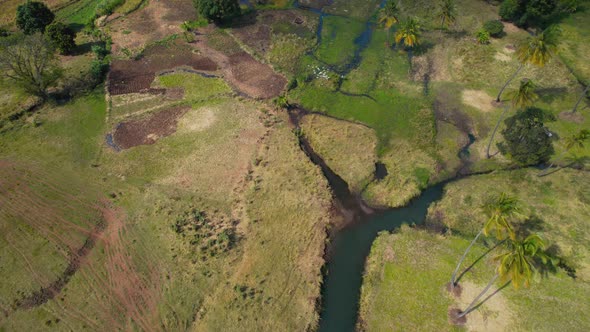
[[525, 95], [388, 15], [517, 262], [539, 49], [447, 13], [408, 33], [499, 211]]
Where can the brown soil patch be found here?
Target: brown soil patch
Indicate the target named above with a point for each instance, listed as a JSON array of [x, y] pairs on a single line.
[[153, 22], [128, 76], [147, 131], [455, 291], [135, 294], [571, 117], [255, 30], [254, 78], [478, 99], [455, 319], [243, 72]]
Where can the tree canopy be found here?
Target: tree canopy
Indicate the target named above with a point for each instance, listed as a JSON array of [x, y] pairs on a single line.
[[217, 10], [61, 37], [527, 140], [33, 16], [30, 63]]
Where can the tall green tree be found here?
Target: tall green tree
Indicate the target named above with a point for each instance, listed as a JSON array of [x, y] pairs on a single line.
[[576, 140], [499, 211], [523, 97], [30, 64], [447, 13], [516, 265], [537, 50], [33, 16], [526, 139], [217, 10], [408, 33], [61, 37], [388, 16]]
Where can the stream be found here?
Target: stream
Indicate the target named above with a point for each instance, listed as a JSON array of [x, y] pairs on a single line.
[[350, 246]]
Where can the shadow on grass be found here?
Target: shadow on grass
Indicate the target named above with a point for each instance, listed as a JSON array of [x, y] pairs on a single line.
[[549, 95], [467, 269]]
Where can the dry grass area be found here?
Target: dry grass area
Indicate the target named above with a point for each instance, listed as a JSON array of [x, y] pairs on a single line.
[[277, 282], [349, 149], [478, 99]]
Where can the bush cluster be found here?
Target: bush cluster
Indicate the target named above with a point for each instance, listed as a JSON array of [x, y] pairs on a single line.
[[207, 238], [494, 27], [61, 37], [217, 10], [526, 139], [107, 7], [535, 13]]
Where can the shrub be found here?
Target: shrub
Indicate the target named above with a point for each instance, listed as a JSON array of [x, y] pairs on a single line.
[[61, 37], [99, 51], [530, 12], [510, 10], [4, 33], [482, 36], [98, 69], [33, 17], [192, 25], [494, 27], [217, 10]]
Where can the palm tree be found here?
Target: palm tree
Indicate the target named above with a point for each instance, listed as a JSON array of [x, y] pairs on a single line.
[[388, 15], [516, 266], [580, 99], [499, 210], [408, 33], [572, 141], [537, 50], [447, 13], [521, 98]]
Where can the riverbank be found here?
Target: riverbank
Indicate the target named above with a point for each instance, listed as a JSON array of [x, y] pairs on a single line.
[[413, 266]]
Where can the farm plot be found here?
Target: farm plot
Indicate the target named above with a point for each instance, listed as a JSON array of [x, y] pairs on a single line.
[[243, 72], [128, 76]]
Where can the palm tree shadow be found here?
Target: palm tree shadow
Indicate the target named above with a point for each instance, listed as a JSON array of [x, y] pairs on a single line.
[[491, 295], [467, 269]]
